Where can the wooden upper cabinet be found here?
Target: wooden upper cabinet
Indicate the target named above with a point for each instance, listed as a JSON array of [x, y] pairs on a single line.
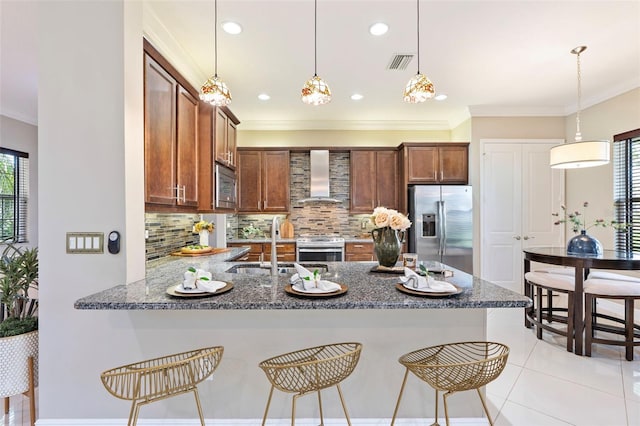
[[249, 181], [213, 123], [225, 135], [187, 148], [159, 134], [374, 180], [275, 181], [263, 181], [437, 164], [454, 164]]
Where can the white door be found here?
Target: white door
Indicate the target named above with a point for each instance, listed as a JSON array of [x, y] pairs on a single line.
[[519, 193]]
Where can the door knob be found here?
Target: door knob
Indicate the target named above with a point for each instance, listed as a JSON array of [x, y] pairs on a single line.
[[517, 237], [528, 238]]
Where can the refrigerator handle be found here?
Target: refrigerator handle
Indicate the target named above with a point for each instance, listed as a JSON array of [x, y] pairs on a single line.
[[441, 225]]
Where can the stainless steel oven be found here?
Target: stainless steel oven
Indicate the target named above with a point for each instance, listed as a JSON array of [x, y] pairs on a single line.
[[320, 249], [225, 188]]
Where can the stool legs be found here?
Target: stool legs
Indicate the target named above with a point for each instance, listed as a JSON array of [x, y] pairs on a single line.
[[344, 406], [628, 328], [404, 382], [266, 410], [484, 405], [435, 421]]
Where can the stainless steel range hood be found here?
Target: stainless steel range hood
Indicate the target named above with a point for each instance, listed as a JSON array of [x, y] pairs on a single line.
[[319, 191]]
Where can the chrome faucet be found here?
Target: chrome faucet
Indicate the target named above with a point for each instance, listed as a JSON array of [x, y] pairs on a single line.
[[275, 225]]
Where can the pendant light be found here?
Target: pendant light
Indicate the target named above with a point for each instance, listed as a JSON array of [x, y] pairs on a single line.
[[419, 88], [315, 90], [579, 154], [214, 90]]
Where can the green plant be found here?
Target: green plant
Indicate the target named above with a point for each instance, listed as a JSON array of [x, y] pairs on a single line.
[[18, 274], [579, 222]]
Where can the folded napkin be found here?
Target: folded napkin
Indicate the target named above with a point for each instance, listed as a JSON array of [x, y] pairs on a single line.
[[414, 281], [200, 279], [311, 282]]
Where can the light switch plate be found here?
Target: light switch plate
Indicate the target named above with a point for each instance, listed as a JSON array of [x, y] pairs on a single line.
[[85, 242]]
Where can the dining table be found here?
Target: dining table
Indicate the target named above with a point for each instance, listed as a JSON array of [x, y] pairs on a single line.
[[582, 264]]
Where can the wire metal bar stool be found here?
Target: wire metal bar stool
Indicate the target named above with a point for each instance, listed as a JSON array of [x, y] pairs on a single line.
[[311, 370], [159, 378], [455, 367]]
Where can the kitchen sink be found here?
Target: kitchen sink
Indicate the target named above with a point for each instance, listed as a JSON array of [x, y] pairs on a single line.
[[283, 268]]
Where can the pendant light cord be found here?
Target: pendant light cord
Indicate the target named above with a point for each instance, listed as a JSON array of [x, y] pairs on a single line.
[[315, 38], [578, 137], [418, 31], [215, 34]]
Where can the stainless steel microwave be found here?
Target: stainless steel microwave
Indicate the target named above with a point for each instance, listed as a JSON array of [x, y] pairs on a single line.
[[226, 190]]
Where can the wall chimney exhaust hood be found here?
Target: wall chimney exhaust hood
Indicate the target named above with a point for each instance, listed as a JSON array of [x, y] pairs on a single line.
[[319, 191]]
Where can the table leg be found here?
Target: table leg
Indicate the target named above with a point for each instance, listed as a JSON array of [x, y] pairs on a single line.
[[527, 292], [578, 314]]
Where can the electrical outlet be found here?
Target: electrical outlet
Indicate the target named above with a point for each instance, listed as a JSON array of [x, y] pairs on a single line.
[[146, 234]]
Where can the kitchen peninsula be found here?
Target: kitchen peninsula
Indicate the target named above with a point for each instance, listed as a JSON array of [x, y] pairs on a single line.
[[258, 319]]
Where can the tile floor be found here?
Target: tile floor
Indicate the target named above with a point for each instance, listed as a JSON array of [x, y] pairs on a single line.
[[542, 385]]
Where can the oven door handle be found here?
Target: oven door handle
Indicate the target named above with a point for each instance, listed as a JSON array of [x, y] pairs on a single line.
[[320, 250]]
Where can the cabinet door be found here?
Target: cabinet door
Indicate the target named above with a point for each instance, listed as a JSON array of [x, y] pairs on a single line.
[[159, 134], [231, 142], [221, 137], [422, 164], [275, 181], [249, 181], [453, 164], [387, 179], [355, 252], [187, 149], [363, 181]]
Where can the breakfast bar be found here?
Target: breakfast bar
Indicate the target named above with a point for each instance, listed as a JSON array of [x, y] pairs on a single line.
[[257, 318]]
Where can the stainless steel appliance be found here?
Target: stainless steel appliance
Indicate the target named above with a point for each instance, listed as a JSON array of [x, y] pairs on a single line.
[[225, 188], [442, 228], [319, 249]]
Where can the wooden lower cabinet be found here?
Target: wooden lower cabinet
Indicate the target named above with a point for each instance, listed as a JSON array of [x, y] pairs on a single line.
[[286, 252], [260, 252], [360, 251], [255, 252]]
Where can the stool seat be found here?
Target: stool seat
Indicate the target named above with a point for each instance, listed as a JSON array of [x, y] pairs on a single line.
[[551, 280], [537, 282], [311, 370], [455, 367], [158, 378], [626, 289]]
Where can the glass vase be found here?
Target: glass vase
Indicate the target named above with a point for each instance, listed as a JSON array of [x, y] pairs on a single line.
[[584, 245], [387, 243]]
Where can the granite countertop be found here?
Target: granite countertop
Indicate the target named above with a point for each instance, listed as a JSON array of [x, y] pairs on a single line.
[[347, 239], [366, 289]]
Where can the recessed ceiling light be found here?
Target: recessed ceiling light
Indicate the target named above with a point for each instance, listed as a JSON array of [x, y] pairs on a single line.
[[440, 97], [356, 96], [379, 28], [264, 97], [231, 27]]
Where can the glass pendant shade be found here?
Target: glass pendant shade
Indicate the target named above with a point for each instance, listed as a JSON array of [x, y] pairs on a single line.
[[316, 91], [579, 155], [215, 92], [419, 89]]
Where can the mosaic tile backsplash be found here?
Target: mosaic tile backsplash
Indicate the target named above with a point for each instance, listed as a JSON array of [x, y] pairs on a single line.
[[169, 232]]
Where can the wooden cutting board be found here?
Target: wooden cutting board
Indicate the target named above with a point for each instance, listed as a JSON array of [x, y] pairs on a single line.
[[286, 229]]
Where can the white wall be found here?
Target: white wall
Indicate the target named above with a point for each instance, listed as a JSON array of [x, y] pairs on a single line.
[[82, 185], [595, 185], [23, 137]]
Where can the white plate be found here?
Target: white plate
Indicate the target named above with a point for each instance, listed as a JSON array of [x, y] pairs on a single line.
[[219, 284], [447, 288], [301, 289]]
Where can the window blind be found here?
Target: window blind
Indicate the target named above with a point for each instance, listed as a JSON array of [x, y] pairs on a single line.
[[14, 194], [626, 182]]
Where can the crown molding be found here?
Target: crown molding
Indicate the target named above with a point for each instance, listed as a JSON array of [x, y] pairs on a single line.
[[345, 125]]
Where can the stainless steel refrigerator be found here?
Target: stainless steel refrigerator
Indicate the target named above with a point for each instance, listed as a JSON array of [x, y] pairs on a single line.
[[442, 228]]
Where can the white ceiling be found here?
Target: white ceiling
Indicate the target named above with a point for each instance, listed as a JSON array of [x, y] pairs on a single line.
[[490, 57]]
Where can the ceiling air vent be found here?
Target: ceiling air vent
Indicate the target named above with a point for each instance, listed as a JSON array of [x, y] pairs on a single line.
[[400, 61]]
